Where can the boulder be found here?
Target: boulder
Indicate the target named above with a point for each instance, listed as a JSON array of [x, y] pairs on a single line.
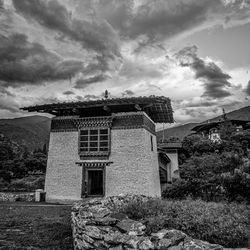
[[193, 244], [176, 236], [146, 244], [163, 244], [131, 227], [93, 232]]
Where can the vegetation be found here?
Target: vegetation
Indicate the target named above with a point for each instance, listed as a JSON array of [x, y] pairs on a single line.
[[221, 223], [35, 227], [21, 170], [214, 171]]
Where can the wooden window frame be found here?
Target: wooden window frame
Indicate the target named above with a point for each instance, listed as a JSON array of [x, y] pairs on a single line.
[[98, 152]]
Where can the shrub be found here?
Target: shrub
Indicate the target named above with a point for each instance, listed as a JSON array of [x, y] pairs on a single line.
[[221, 223], [27, 184]]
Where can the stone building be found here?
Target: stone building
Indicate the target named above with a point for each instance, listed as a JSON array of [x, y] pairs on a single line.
[[105, 147]]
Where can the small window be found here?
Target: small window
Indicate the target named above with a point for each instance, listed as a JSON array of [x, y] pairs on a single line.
[[94, 140], [152, 144]]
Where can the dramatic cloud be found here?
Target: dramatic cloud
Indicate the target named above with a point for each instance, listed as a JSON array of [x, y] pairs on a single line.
[[215, 80], [68, 92], [156, 19], [127, 93], [136, 70], [247, 90], [95, 35], [23, 62], [7, 102], [83, 83], [83, 47]]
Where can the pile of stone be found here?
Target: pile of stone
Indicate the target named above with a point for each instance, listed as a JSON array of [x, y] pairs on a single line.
[[8, 196], [96, 225]]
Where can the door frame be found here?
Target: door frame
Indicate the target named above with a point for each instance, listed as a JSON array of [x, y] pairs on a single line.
[[85, 181]]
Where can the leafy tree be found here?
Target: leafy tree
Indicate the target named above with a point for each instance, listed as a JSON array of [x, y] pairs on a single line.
[[214, 170]]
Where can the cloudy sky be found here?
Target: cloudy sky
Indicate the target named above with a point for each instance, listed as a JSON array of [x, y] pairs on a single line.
[[197, 52]]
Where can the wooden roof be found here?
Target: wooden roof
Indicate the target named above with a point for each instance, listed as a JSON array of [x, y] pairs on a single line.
[[158, 108]]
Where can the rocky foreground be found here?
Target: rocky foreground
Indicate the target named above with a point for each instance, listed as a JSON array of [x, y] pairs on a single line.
[[97, 225]]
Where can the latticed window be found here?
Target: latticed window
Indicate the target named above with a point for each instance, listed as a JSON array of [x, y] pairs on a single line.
[[94, 140]]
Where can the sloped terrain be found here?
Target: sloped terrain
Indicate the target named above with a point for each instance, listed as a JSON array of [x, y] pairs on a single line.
[[31, 131], [184, 130]]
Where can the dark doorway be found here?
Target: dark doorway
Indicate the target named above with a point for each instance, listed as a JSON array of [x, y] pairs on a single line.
[[95, 182]]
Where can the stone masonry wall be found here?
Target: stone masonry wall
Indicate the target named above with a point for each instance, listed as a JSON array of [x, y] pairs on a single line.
[[9, 196], [97, 225], [135, 167], [63, 177]]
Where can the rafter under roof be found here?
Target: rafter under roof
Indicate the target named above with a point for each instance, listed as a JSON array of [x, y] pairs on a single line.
[[158, 108]]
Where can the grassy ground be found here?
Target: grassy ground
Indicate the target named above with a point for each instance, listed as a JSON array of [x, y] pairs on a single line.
[[31, 226]]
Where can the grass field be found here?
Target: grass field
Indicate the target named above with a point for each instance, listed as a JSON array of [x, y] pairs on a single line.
[[27, 226]]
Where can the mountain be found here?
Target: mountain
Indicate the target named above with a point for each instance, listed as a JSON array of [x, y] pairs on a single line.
[[178, 131], [239, 114], [31, 131], [184, 130]]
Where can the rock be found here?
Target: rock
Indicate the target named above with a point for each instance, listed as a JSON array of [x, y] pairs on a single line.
[[87, 239], [132, 242], [175, 248], [117, 248], [193, 244], [106, 221], [163, 244], [175, 236], [100, 245], [131, 227], [99, 212], [81, 244], [160, 234], [86, 214], [146, 244], [93, 232], [114, 238], [119, 216]]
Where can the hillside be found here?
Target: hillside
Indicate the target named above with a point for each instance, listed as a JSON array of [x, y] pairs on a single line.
[[239, 114], [184, 130], [179, 131], [31, 131]]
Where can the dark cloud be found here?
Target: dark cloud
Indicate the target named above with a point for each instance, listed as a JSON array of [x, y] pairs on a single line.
[[215, 80], [93, 35], [23, 62], [7, 102], [137, 70], [127, 93], [157, 20], [4, 91], [247, 90], [83, 83], [68, 92]]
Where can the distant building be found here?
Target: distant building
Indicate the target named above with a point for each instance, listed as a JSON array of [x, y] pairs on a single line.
[[211, 129], [105, 147], [168, 162]]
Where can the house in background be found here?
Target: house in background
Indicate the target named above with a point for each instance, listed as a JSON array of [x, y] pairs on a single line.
[[210, 130], [168, 162], [105, 147]]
